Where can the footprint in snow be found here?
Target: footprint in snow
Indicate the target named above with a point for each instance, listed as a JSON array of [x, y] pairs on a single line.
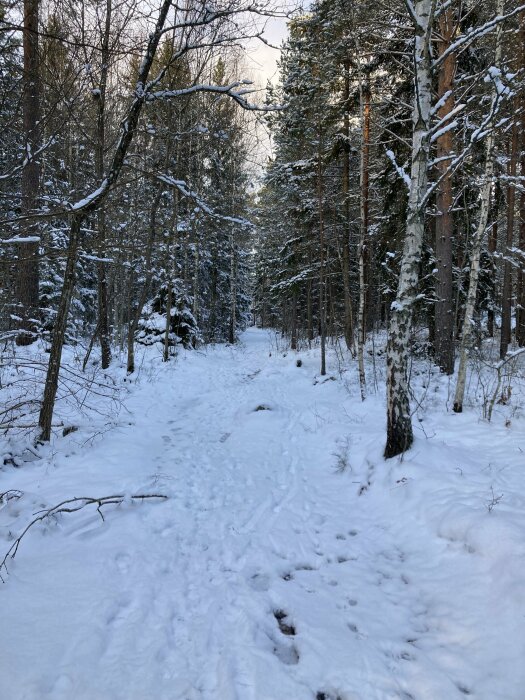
[[285, 627], [463, 689], [305, 567]]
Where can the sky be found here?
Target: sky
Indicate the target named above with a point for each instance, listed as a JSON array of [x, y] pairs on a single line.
[[262, 59]]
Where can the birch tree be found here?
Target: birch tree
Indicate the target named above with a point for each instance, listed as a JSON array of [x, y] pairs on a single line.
[[498, 94], [399, 425]]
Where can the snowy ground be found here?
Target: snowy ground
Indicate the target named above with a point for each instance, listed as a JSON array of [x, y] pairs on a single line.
[[290, 561]]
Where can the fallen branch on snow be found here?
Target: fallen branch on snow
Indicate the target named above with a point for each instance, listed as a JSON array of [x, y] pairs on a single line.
[[71, 505]]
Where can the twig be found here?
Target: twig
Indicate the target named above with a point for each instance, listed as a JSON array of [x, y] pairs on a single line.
[[71, 505]]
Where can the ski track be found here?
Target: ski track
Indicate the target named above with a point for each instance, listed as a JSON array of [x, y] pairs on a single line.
[[177, 600]]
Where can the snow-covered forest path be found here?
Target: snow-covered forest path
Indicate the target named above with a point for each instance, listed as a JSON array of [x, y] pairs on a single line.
[[290, 561]]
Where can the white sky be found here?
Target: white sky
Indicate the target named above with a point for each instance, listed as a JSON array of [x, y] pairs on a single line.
[[261, 59]]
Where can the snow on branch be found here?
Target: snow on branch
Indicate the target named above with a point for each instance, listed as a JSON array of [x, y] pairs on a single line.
[[21, 239], [399, 170], [183, 188], [474, 34], [229, 90], [28, 159]]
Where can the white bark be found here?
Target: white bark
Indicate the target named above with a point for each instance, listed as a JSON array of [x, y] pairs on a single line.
[[399, 426], [466, 333]]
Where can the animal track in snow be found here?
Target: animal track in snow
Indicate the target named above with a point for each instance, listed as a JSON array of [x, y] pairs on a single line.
[[286, 628]]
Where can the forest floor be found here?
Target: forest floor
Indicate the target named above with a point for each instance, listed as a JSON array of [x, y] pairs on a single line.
[[290, 561]]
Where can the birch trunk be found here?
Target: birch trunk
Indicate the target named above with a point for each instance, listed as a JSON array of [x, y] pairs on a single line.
[[475, 257], [492, 248], [506, 295], [399, 425]]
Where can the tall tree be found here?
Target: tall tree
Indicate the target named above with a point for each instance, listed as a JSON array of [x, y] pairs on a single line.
[[444, 312], [28, 267], [399, 424]]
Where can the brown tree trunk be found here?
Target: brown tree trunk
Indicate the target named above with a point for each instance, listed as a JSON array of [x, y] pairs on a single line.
[[363, 237], [102, 285], [322, 279], [444, 314], [27, 279], [349, 323]]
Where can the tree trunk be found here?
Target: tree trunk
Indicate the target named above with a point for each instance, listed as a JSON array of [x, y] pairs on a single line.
[[233, 288], [520, 299], [399, 425], [468, 320], [102, 285], [170, 273], [135, 317], [59, 330], [27, 280], [128, 129], [322, 280], [364, 94], [444, 314], [349, 322], [492, 248], [506, 296]]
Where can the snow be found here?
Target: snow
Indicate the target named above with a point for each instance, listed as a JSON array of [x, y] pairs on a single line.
[[82, 203], [399, 170], [290, 560], [21, 239]]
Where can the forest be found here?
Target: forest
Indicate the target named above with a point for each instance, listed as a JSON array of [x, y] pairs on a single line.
[[272, 323]]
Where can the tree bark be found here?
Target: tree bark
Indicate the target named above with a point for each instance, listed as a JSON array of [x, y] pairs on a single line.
[[322, 279], [444, 314], [520, 296], [27, 280], [399, 425], [506, 295], [102, 284], [349, 322], [468, 320], [492, 248], [364, 176]]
